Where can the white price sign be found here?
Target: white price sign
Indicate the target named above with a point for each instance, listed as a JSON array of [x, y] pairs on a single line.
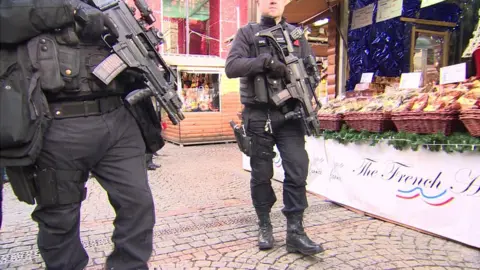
[[388, 9], [362, 17], [426, 3], [410, 80], [453, 74], [366, 78]]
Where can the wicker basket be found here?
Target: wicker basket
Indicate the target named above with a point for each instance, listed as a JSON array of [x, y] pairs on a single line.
[[426, 122], [369, 121], [330, 121], [471, 120]]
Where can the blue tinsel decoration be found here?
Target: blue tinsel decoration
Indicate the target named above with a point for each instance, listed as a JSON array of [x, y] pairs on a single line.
[[384, 47]]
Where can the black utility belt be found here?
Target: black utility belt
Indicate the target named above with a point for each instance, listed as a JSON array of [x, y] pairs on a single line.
[[267, 106], [99, 106]]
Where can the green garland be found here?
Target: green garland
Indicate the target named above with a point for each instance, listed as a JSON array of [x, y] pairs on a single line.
[[456, 142]]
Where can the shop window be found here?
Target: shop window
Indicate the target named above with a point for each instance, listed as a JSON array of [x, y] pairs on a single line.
[[429, 52], [200, 91]]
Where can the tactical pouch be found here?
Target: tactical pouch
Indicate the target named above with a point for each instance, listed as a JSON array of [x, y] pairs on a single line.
[[259, 82], [22, 182], [59, 187], [44, 55], [147, 120], [261, 93], [69, 61], [24, 113], [14, 119]]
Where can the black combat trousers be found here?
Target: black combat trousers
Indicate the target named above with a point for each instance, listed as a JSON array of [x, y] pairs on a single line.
[[290, 141], [111, 146]]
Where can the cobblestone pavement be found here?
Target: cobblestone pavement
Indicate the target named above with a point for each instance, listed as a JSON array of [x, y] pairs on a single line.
[[205, 221]]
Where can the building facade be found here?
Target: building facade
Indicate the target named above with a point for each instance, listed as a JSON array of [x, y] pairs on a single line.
[[198, 27]]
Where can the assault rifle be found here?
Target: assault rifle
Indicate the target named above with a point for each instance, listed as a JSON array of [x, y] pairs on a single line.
[[301, 83], [135, 49]]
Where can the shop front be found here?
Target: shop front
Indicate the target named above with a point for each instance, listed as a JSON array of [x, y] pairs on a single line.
[[321, 19], [210, 100], [403, 143]]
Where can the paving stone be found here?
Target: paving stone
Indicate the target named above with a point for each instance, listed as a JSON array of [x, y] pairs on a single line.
[[211, 224]]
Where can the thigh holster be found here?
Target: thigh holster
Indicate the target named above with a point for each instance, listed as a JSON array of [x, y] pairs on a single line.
[[58, 187]]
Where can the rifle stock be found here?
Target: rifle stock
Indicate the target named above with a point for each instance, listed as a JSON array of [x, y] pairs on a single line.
[[135, 48]]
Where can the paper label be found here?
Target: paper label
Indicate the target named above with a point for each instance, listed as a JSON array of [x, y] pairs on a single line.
[[362, 17], [366, 78], [410, 80], [388, 9], [426, 3], [453, 74]]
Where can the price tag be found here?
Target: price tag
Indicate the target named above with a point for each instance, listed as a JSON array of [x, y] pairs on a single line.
[[453, 74], [410, 80], [388, 9], [362, 17], [366, 78]]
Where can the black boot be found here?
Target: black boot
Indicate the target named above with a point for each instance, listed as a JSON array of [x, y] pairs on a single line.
[[265, 231], [297, 239]]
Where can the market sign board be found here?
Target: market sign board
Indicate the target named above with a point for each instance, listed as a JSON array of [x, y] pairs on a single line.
[[362, 17], [426, 3], [453, 74], [388, 9]]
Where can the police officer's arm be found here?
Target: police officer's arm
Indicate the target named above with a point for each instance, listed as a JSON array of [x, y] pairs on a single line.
[[21, 20], [239, 63]]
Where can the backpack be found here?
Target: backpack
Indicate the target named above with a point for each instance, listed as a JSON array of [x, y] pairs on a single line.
[[24, 111]]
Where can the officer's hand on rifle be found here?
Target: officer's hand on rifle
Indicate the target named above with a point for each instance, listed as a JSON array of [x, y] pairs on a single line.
[[275, 68], [92, 22]]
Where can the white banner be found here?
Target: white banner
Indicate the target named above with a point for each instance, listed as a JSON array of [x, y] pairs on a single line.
[[432, 191]]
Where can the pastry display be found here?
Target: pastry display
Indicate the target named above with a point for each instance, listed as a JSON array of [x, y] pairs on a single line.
[[431, 98]]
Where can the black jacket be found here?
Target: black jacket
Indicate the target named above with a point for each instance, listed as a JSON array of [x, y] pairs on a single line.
[[243, 61], [25, 19]]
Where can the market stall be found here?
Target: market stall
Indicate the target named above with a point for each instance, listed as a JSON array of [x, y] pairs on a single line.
[[210, 100], [403, 145], [403, 156]]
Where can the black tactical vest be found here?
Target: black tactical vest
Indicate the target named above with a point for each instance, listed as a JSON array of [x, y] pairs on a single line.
[[259, 45], [67, 69]]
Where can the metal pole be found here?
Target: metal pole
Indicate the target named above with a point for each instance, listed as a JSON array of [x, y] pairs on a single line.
[[187, 28], [342, 72], [238, 16]]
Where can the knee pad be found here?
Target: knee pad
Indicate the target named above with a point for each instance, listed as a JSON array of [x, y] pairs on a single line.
[[57, 187]]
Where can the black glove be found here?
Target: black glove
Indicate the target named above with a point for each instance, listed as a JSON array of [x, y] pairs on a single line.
[[275, 68], [92, 22]]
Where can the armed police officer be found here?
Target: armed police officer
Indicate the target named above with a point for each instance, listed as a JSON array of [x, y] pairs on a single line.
[[92, 130], [260, 70]]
